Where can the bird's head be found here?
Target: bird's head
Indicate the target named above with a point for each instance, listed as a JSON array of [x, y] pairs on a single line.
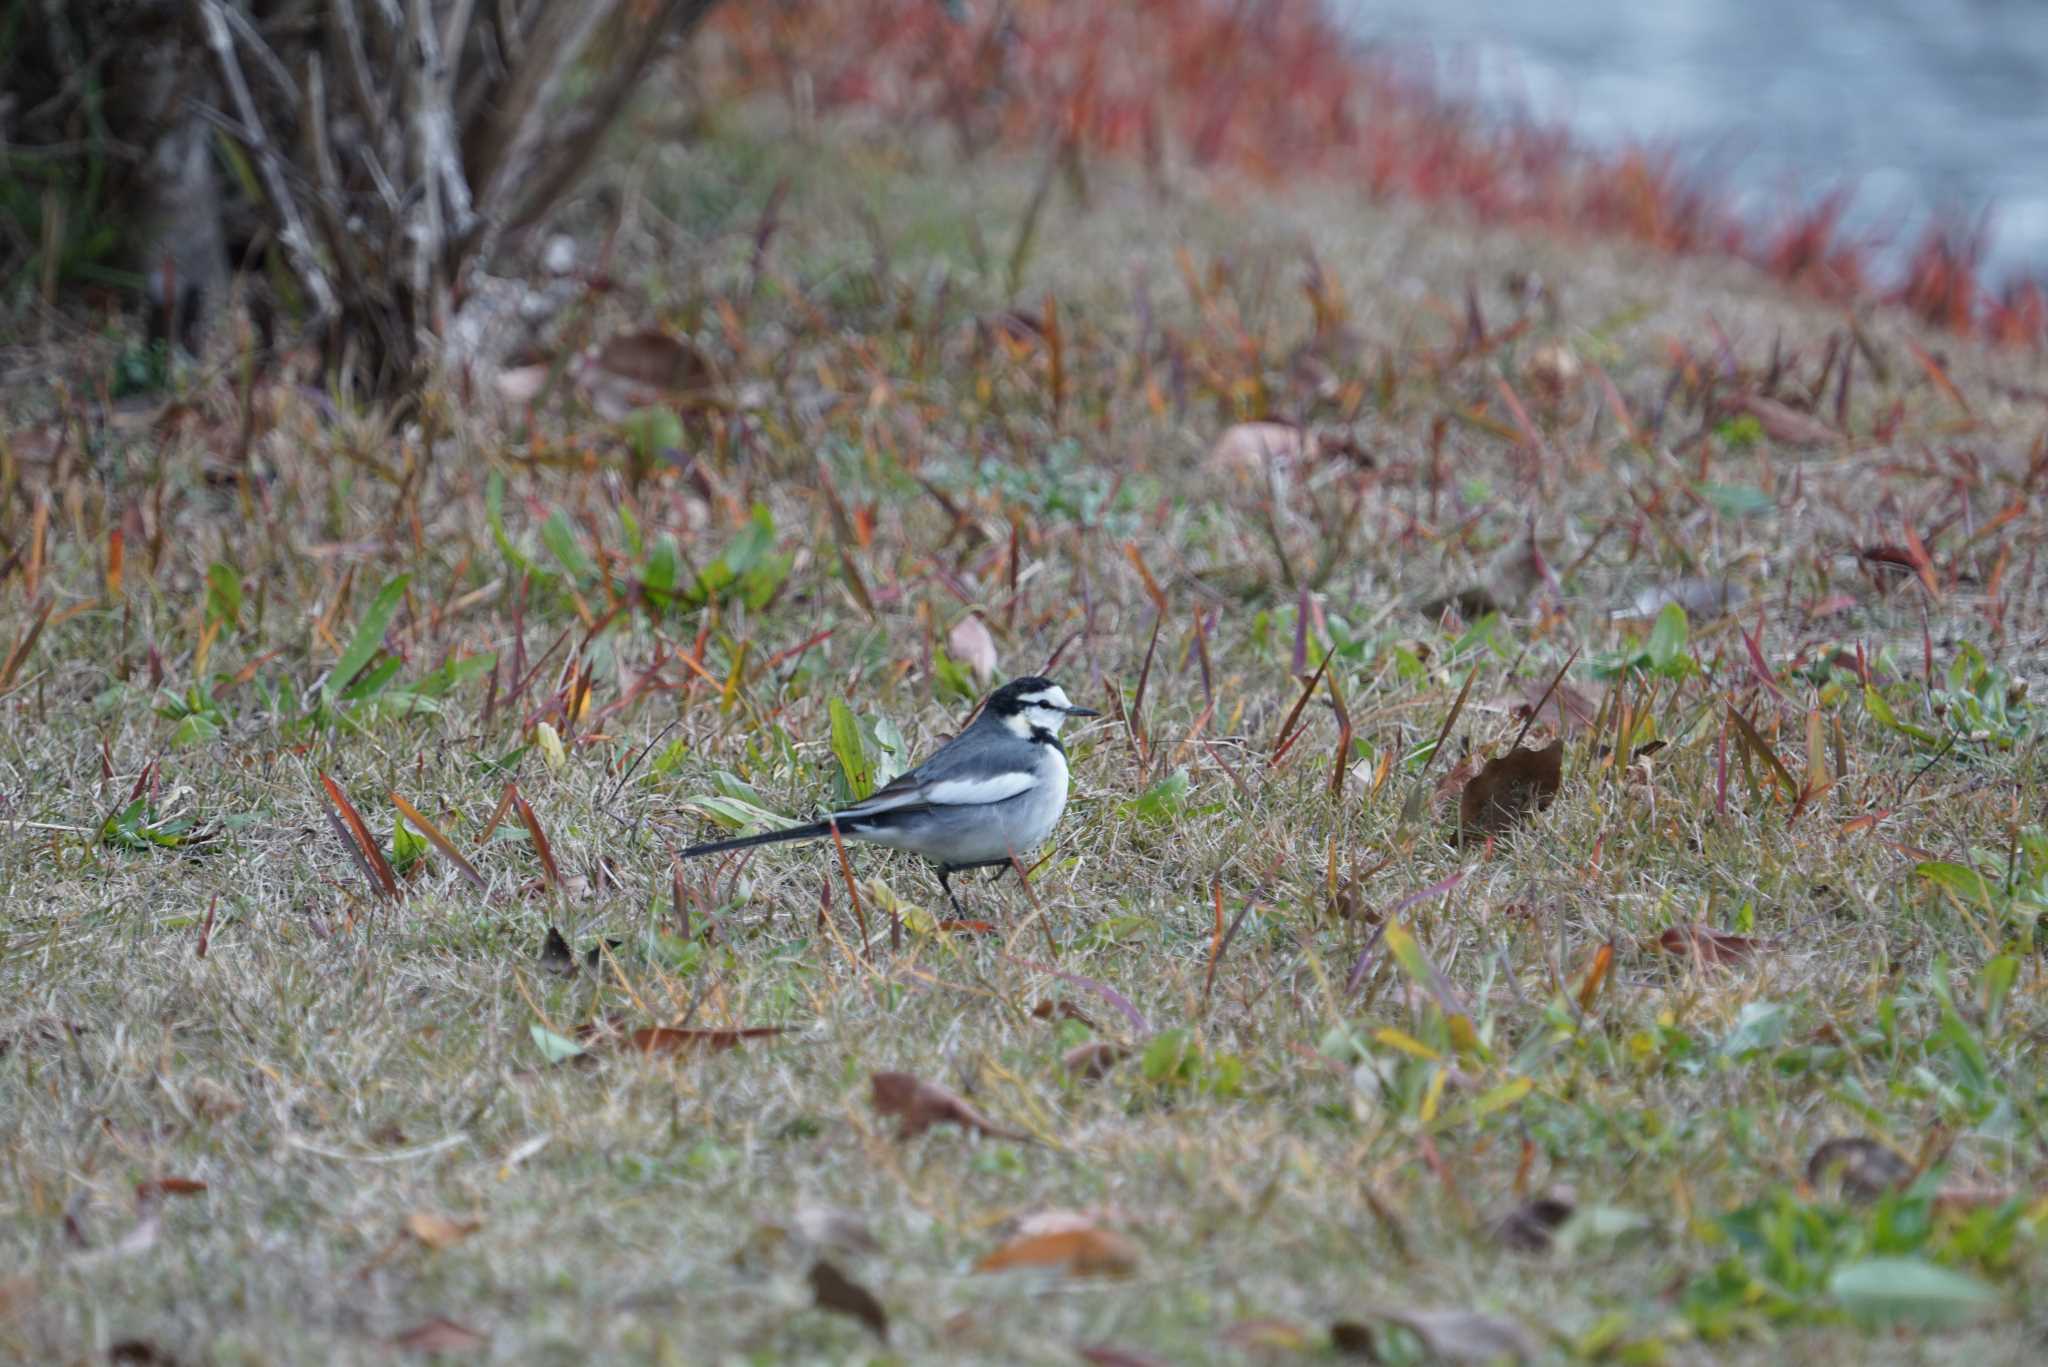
[[1033, 703]]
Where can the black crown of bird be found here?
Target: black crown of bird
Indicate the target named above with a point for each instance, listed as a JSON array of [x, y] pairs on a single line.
[[985, 797]]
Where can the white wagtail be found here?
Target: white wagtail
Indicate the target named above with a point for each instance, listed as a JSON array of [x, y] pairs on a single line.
[[985, 797]]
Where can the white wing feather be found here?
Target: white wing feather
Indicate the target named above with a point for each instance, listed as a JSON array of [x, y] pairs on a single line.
[[951, 792]]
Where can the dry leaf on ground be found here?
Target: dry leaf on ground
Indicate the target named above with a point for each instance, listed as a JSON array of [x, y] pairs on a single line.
[[155, 1188], [918, 1105], [1531, 1226], [1079, 1250], [969, 642], [1447, 1335], [673, 1039], [1703, 599], [833, 1290], [1864, 1169], [1248, 450], [437, 1231], [1707, 944], [440, 1335], [1110, 1355], [1091, 1060], [1787, 425], [1509, 787]]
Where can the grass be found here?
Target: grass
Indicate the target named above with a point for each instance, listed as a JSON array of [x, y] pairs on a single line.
[[1354, 1050]]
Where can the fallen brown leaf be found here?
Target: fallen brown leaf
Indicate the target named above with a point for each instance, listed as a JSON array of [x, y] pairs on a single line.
[[1509, 787], [155, 1188], [1786, 424], [17, 1293], [1110, 1355], [1049, 1008], [1863, 1169], [969, 642], [440, 1335], [918, 1105], [1079, 1251], [437, 1231], [1566, 709], [1248, 450], [1703, 599], [673, 1039], [1447, 1335], [1529, 1227], [1707, 944], [1091, 1060], [833, 1290], [1266, 1335]]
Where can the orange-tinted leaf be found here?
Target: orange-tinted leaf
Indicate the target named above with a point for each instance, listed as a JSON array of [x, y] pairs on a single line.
[[918, 1105], [440, 1335], [1083, 1251], [671, 1039], [437, 1231], [156, 1187], [382, 877], [541, 846], [1707, 944], [958, 926], [1596, 976], [1509, 787], [832, 1289]]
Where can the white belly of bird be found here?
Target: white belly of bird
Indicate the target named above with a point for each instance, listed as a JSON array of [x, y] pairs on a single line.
[[994, 831]]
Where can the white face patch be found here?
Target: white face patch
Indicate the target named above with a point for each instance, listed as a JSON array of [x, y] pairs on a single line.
[[1047, 709]]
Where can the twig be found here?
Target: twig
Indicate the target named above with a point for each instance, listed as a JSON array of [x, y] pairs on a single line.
[[292, 234]]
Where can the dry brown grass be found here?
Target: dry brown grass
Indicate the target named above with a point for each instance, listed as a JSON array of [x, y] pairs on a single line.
[[1302, 1151]]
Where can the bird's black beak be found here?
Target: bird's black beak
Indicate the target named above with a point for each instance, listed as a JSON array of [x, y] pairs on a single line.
[[1082, 712]]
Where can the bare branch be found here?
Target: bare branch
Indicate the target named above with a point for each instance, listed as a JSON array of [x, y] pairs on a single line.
[[266, 60], [557, 165], [292, 227]]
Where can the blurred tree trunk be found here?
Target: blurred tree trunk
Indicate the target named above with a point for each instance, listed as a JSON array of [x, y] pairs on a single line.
[[379, 150]]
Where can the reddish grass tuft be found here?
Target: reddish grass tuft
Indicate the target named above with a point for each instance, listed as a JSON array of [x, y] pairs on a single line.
[[1275, 89]]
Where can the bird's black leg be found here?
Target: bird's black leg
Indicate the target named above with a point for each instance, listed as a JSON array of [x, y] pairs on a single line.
[[946, 884]]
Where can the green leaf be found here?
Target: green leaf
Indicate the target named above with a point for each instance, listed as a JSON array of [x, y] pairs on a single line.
[[1965, 882], [1910, 1290], [560, 539], [494, 513], [737, 814], [552, 1046], [1759, 1026], [1736, 500], [663, 571], [650, 431], [224, 594], [1163, 800], [406, 848], [1874, 703], [369, 637], [1170, 1057], [851, 752], [196, 729], [1667, 643]]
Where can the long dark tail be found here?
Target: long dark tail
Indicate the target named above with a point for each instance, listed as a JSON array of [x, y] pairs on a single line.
[[747, 842]]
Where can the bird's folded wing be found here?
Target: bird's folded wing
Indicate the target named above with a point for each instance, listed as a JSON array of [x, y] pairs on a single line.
[[955, 791]]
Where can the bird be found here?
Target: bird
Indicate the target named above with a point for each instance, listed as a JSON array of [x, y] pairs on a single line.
[[990, 794]]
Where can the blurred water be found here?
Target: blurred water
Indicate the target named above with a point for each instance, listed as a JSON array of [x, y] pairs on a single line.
[[1920, 107]]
